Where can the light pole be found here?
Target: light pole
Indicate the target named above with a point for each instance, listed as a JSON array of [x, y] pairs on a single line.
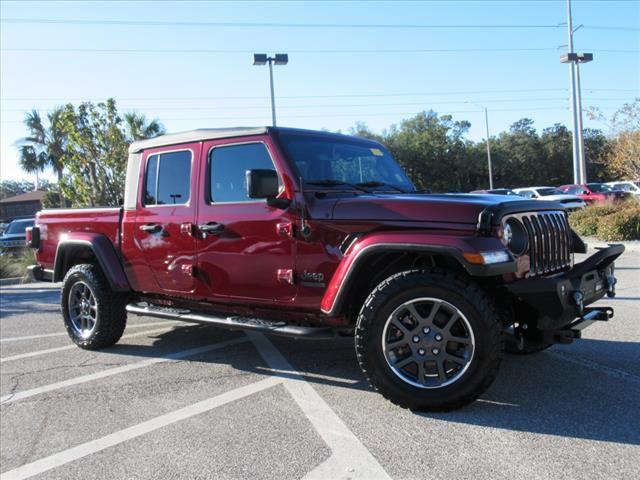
[[278, 59], [574, 59], [486, 125]]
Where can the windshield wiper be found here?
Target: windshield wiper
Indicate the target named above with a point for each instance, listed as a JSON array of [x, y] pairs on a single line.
[[375, 183], [330, 182]]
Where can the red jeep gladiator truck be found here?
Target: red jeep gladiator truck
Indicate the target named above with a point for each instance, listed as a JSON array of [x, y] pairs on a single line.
[[311, 234]]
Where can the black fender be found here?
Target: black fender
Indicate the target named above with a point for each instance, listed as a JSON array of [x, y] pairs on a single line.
[[71, 244]]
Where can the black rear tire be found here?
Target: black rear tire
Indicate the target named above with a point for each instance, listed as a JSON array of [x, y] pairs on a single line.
[[85, 289], [455, 291]]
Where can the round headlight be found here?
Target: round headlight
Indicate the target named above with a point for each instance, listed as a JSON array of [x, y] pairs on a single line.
[[514, 237]]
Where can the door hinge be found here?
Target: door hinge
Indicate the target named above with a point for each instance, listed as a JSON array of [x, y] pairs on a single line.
[[285, 229], [285, 275], [187, 229]]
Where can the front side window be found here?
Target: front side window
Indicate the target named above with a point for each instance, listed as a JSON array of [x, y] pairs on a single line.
[[321, 158], [599, 187], [168, 179], [545, 192], [228, 170]]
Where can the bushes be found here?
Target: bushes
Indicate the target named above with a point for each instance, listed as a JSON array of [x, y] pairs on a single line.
[[608, 222], [15, 264]]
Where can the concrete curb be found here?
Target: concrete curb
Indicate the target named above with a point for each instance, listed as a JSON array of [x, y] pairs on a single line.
[[14, 281]]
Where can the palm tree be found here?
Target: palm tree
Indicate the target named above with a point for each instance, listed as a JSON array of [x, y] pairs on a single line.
[[44, 147], [138, 128]]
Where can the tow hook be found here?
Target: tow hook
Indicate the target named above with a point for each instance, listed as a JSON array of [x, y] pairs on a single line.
[[611, 286], [578, 298]]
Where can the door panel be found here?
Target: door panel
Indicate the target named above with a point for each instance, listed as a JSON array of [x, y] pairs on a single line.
[[250, 255], [166, 215]]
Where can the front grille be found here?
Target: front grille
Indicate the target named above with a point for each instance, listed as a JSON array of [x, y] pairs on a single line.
[[550, 241]]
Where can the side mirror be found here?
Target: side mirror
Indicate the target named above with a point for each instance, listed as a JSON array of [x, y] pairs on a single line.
[[262, 183], [265, 184]]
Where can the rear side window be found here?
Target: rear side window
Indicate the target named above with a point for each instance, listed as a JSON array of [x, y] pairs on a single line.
[[168, 179], [229, 165]]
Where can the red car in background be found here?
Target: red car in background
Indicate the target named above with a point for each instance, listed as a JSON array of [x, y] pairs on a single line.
[[595, 192]]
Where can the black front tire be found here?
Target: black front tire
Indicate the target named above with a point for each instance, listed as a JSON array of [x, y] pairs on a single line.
[[111, 315], [456, 290]]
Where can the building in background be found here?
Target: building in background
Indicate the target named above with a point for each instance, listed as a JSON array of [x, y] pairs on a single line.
[[24, 205]]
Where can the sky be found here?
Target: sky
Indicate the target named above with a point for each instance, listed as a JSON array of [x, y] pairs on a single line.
[[189, 64]]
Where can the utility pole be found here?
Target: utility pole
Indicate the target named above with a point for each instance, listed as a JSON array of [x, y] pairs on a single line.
[[278, 59], [574, 59], [486, 124], [572, 92]]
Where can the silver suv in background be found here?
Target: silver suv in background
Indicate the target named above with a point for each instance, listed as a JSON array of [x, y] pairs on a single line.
[[626, 186]]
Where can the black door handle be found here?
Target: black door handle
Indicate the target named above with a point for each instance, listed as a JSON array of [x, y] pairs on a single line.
[[151, 228], [211, 228]]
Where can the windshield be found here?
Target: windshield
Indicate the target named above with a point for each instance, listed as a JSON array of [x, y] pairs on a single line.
[[18, 227], [599, 187], [330, 160], [545, 192], [502, 191]]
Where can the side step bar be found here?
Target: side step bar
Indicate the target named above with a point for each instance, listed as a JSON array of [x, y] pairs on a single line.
[[232, 322]]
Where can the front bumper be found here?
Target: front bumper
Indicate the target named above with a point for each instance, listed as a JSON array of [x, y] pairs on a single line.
[[563, 298]]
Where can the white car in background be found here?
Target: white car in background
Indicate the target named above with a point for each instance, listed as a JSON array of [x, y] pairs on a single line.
[[552, 194], [626, 186]]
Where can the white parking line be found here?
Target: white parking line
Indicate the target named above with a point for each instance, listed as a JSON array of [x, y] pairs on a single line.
[[82, 450], [71, 347], [115, 371], [350, 458], [65, 334]]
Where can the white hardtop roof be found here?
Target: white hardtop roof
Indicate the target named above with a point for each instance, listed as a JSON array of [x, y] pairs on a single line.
[[198, 135]]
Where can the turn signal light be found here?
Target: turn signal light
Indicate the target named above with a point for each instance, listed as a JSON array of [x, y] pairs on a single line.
[[487, 258]]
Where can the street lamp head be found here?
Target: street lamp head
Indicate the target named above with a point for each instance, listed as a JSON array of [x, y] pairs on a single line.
[[568, 57], [576, 57], [585, 57], [260, 58], [281, 59]]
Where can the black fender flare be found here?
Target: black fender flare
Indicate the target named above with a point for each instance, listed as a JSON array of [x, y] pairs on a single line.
[[104, 252]]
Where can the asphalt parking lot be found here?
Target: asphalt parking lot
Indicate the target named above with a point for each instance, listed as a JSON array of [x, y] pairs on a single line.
[[186, 401]]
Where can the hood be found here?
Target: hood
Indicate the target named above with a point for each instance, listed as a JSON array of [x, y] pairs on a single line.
[[447, 208], [561, 198], [12, 236]]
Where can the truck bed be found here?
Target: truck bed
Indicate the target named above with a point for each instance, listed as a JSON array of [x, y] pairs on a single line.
[[55, 223]]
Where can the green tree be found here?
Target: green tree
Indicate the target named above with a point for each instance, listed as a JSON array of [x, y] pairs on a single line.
[[11, 188], [557, 166], [623, 154], [96, 153], [44, 147], [139, 128], [432, 150]]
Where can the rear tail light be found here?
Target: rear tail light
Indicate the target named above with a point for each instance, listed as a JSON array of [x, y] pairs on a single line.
[[32, 237]]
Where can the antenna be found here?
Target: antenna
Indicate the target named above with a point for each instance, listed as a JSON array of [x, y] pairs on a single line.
[[305, 229]]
